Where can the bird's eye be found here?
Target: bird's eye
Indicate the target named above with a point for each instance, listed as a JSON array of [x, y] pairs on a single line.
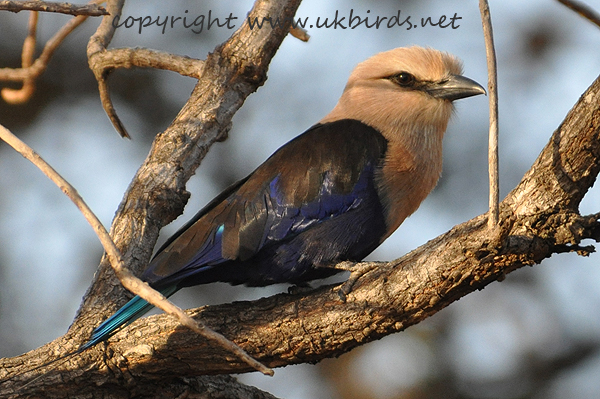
[[404, 79]]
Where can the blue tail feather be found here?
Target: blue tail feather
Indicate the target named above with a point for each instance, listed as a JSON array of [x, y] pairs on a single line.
[[131, 311]]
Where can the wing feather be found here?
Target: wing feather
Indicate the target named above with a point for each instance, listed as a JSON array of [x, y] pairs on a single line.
[[322, 174]]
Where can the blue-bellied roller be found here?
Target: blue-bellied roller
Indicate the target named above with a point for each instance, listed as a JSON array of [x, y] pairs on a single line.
[[332, 194]]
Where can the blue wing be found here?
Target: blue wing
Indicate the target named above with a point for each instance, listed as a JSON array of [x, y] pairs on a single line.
[[313, 202]]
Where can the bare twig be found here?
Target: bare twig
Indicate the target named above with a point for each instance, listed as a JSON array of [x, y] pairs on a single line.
[[90, 10], [147, 58], [128, 280], [19, 96], [539, 217], [40, 64], [96, 46], [490, 52], [583, 10], [103, 61], [106, 61], [28, 73]]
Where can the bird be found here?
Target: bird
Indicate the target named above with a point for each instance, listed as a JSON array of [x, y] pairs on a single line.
[[332, 194]]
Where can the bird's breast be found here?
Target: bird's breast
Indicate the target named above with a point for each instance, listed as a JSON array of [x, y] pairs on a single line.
[[405, 179]]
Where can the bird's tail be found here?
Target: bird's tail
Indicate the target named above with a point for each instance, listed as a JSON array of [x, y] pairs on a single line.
[[127, 314], [132, 310]]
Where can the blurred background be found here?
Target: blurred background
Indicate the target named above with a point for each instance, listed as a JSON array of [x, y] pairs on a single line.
[[534, 335]]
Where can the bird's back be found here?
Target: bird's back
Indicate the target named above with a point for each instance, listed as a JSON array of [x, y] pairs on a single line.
[[312, 203]]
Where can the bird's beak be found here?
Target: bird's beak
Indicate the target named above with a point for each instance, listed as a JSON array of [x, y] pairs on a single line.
[[455, 87]]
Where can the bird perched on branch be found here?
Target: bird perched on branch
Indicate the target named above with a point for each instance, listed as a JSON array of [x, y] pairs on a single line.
[[332, 194]]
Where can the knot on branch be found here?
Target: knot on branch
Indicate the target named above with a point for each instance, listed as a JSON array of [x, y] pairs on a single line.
[[167, 203], [253, 74], [564, 228], [536, 237], [249, 70]]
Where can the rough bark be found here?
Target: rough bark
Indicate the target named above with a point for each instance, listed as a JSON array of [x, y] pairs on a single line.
[[155, 357]]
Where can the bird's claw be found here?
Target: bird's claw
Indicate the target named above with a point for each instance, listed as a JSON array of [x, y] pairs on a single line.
[[357, 270]]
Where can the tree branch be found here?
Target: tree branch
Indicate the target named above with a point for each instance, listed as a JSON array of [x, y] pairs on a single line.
[[19, 96], [89, 10], [104, 62], [146, 58]]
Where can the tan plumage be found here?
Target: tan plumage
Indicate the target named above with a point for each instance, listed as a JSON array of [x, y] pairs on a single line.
[[410, 118]]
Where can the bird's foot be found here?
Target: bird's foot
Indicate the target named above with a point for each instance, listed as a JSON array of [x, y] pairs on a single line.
[[357, 270]]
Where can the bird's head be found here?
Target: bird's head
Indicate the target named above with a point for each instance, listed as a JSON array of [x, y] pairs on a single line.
[[405, 87]]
